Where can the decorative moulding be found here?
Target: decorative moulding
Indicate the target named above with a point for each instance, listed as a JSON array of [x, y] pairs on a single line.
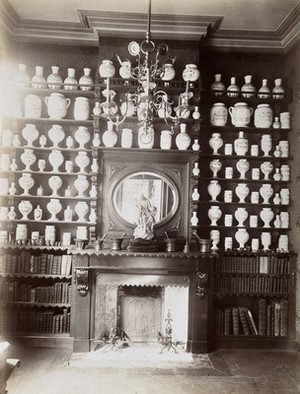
[[94, 24]]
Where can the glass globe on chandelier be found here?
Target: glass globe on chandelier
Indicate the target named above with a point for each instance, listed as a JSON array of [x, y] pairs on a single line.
[[147, 70]]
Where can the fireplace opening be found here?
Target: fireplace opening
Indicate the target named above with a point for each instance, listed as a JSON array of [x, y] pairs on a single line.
[[141, 311]]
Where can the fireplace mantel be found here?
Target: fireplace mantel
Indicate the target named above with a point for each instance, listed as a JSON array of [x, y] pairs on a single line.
[[195, 267]]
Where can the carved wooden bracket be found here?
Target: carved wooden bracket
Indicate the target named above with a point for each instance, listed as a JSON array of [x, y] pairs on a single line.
[[201, 284], [82, 281]]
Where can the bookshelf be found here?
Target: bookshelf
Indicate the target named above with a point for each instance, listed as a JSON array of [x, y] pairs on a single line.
[[253, 297]]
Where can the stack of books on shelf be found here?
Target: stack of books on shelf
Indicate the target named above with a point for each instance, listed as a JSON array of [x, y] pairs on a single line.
[[267, 319], [42, 263], [251, 264], [13, 291], [38, 322]]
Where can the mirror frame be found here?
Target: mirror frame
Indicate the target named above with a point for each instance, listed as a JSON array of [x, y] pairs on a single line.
[[112, 194], [174, 165]]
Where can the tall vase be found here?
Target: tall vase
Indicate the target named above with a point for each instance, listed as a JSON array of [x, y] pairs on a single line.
[[86, 81], [70, 83], [264, 91], [54, 80], [233, 90], [38, 81], [241, 144], [82, 136], [248, 89], [21, 78], [217, 87], [278, 91], [183, 140], [109, 137], [214, 214], [241, 215]]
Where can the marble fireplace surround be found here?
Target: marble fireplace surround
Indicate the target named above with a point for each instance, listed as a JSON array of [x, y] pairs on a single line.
[[190, 271]]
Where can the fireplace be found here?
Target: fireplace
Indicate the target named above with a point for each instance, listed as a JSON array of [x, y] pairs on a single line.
[[133, 292], [137, 306]]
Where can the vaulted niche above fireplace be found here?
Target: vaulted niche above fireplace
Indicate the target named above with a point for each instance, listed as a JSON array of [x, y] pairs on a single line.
[[162, 176]]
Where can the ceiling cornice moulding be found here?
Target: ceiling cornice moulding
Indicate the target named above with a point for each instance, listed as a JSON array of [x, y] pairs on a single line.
[[95, 24]]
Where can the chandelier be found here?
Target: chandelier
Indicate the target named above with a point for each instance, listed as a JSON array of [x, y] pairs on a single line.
[[149, 67]]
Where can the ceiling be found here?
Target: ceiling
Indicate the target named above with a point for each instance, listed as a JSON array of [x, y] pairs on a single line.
[[264, 24]]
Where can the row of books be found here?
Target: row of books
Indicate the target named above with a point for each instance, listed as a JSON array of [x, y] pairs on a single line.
[[254, 264], [13, 291], [252, 284], [42, 263], [267, 319], [46, 322]]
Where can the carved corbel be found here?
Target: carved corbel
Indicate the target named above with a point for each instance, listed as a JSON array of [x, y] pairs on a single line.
[[201, 284], [82, 281]]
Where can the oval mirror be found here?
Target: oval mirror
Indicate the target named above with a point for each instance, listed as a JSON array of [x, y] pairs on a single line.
[[145, 185]]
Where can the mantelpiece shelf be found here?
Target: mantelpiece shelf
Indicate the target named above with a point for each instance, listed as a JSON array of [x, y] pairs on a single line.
[[34, 247], [88, 223], [258, 228], [88, 174], [245, 204], [248, 157], [50, 148]]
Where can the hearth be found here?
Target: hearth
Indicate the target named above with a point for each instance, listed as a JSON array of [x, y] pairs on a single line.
[[138, 305]]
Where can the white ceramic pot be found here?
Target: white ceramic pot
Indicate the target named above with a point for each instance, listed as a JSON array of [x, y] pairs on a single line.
[[125, 70], [217, 87], [242, 191], [26, 182], [82, 136], [214, 190], [266, 215], [86, 81], [21, 78], [266, 240], [54, 80], [183, 140], [21, 232], [54, 207], [215, 239], [56, 135], [218, 114], [81, 184], [278, 91], [194, 219], [263, 116], [215, 166], [57, 105], [168, 73], [233, 90], [33, 106], [241, 215], [38, 81], [126, 138], [242, 166], [55, 159], [81, 209], [215, 142], [28, 158], [195, 195], [241, 144], [30, 134], [50, 234], [266, 191], [240, 114], [214, 214], [166, 139], [82, 160], [38, 213], [4, 186], [242, 237], [110, 137], [70, 83], [248, 89], [55, 183], [266, 168], [191, 73], [264, 92], [25, 207], [81, 108], [107, 69]]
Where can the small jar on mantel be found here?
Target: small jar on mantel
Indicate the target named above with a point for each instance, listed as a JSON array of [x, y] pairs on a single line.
[[233, 90]]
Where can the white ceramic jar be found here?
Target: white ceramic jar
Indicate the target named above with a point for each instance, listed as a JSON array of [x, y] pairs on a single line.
[[81, 108], [33, 106], [183, 140], [107, 69], [166, 139], [57, 105], [240, 114], [263, 116], [218, 114], [241, 144]]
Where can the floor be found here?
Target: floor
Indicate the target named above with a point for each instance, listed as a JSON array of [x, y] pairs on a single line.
[[142, 370]]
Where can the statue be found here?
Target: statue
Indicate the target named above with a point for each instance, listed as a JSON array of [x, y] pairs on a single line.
[[146, 219], [144, 237]]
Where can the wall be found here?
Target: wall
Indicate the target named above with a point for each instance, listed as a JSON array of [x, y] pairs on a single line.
[[293, 74]]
